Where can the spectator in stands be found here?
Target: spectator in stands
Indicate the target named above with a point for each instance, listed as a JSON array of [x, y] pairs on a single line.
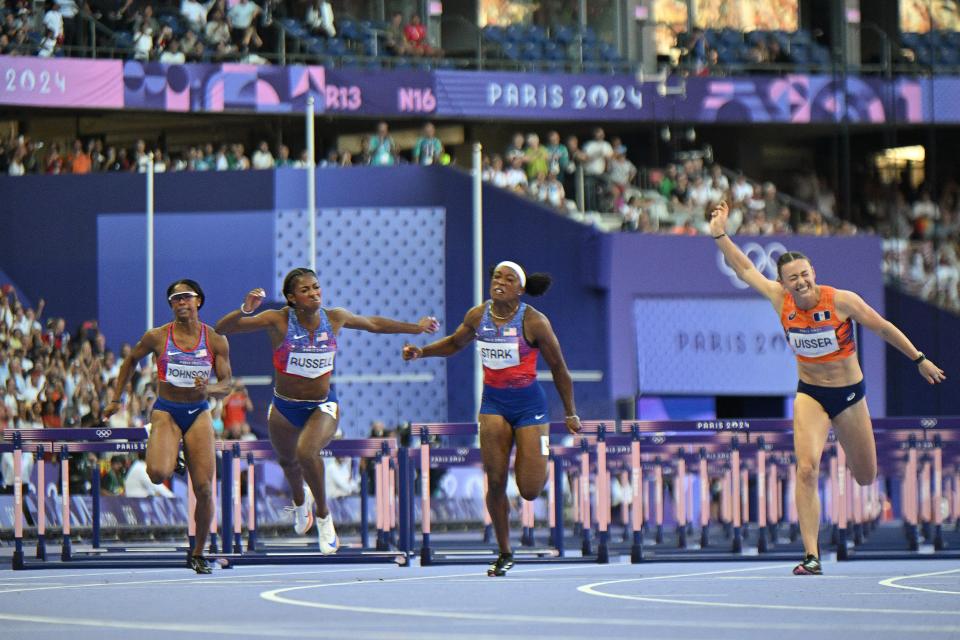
[[144, 20], [112, 480], [242, 20], [54, 160], [536, 158], [195, 13], [71, 24], [235, 408], [428, 148], [53, 20], [622, 171], [415, 34], [137, 484], [143, 43], [494, 174], [741, 189], [241, 161], [515, 150], [558, 157], [217, 34], [319, 19], [516, 177], [382, 148], [283, 157], [598, 153], [923, 215], [172, 53], [262, 158], [48, 45], [394, 41]]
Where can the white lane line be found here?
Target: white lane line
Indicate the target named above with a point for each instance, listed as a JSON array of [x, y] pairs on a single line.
[[592, 589], [892, 582], [49, 573], [191, 579], [307, 630]]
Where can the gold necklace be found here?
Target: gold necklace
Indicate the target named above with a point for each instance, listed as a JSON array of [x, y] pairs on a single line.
[[506, 317]]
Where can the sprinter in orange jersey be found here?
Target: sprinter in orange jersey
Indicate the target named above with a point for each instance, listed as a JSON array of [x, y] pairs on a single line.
[[818, 322]]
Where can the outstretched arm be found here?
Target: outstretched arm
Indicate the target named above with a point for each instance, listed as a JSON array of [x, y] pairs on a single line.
[[464, 335], [242, 321], [147, 344], [737, 259], [379, 324], [538, 327], [853, 306]]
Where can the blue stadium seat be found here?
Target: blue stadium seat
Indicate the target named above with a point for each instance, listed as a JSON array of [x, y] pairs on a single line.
[[537, 34], [555, 52], [494, 34], [801, 36], [515, 33], [565, 35], [819, 54], [336, 47], [316, 46], [531, 51], [294, 28]]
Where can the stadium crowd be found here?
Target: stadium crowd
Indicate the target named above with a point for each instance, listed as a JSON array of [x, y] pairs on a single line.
[[51, 378]]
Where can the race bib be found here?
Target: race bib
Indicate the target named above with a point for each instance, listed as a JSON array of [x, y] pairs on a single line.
[[183, 375], [310, 365], [499, 355], [813, 343]]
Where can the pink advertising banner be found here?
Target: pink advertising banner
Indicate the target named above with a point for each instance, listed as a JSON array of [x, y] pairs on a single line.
[[61, 82]]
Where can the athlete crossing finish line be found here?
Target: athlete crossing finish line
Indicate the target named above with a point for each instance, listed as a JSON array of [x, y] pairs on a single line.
[[510, 334], [186, 350], [818, 322], [304, 414]]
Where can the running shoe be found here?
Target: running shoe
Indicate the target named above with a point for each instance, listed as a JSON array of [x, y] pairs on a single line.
[[303, 513], [199, 564], [809, 567], [181, 467], [327, 536], [503, 563]]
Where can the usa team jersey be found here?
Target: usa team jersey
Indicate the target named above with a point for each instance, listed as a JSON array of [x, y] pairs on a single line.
[[509, 362], [179, 366], [816, 334], [304, 353]]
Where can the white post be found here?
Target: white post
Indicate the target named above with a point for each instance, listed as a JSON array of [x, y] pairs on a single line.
[[477, 260], [150, 242], [311, 185]]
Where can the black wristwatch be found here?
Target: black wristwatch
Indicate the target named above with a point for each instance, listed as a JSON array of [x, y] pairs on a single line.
[[920, 358]]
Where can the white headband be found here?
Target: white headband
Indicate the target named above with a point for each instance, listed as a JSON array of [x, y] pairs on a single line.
[[515, 267]]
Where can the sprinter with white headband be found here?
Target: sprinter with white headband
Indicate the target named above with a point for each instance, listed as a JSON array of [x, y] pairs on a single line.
[[510, 334], [187, 350], [304, 414]]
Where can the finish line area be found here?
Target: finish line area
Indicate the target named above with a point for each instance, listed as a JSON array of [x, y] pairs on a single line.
[[664, 600]]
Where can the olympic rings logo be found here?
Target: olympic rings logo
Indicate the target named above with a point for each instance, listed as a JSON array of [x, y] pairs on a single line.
[[763, 258], [928, 423], [103, 433], [463, 451]]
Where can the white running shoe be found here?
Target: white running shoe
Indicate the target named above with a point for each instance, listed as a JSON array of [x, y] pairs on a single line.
[[303, 514], [327, 536]]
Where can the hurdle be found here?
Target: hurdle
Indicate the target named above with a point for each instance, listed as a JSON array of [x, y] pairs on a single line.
[[560, 460], [382, 450], [64, 442]]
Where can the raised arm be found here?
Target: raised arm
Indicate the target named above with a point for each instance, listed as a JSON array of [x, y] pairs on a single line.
[[242, 320], [377, 324], [538, 327], [737, 259], [444, 347], [853, 306], [148, 344]]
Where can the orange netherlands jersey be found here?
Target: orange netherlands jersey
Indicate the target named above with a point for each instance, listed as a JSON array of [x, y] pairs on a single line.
[[816, 334]]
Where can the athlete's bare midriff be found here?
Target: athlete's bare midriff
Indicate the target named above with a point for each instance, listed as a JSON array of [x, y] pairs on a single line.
[[837, 373]]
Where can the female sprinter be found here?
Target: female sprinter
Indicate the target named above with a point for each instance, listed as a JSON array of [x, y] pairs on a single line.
[[186, 351], [510, 333], [818, 322], [304, 415]]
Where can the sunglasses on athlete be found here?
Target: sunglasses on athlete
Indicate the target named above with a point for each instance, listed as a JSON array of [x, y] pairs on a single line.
[[183, 296]]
